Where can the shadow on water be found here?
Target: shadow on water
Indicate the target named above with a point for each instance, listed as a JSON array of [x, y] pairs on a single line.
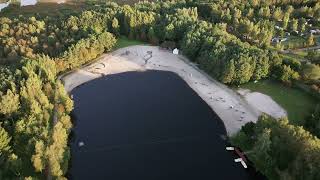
[[147, 125]]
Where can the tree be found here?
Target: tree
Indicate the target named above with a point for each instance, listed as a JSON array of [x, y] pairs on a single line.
[[115, 27], [281, 150], [294, 25], [311, 72], [56, 151], [9, 103], [152, 37], [38, 157], [229, 72], [313, 122], [302, 24], [310, 40], [261, 153], [4, 143], [277, 14], [287, 74]]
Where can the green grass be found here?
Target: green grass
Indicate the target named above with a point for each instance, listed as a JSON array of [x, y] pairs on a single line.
[[294, 42], [125, 42], [296, 102]]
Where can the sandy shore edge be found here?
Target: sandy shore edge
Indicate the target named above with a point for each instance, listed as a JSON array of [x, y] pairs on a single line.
[[234, 109]]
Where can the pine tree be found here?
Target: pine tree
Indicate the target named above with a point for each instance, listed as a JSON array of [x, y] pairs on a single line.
[[310, 40]]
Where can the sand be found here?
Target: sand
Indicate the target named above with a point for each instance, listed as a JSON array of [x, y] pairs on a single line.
[[230, 106], [263, 103]]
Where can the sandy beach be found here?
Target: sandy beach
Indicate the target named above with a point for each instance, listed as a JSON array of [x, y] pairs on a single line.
[[234, 108]]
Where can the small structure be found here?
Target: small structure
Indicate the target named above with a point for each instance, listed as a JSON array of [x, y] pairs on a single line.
[[175, 51], [277, 39], [295, 33], [230, 148], [315, 31], [81, 143], [278, 27]]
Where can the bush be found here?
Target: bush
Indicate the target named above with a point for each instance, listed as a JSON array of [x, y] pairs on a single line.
[[311, 72], [280, 150]]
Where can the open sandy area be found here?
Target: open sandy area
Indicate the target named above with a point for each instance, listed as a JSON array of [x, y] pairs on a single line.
[[230, 106], [263, 103]]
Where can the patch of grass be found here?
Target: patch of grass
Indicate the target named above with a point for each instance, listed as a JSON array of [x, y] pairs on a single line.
[[125, 42], [294, 42], [296, 102], [301, 53]]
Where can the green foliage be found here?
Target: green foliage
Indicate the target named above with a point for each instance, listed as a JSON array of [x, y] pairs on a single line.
[[85, 50], [287, 97], [125, 42], [224, 56], [4, 144], [286, 74], [314, 57], [281, 150], [115, 27], [310, 40], [311, 72], [9, 103], [56, 150], [38, 157], [228, 39], [313, 122], [28, 108]]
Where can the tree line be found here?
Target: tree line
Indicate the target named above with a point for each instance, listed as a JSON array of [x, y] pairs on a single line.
[[280, 150], [221, 36]]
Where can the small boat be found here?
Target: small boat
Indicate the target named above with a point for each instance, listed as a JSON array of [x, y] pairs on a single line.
[[81, 143]]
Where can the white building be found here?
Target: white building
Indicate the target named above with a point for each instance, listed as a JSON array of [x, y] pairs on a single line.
[[175, 51], [278, 27], [277, 40]]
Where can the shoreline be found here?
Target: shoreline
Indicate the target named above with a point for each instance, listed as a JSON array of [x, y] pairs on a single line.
[[233, 109]]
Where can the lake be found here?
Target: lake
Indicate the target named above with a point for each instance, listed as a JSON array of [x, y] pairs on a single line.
[[147, 125]]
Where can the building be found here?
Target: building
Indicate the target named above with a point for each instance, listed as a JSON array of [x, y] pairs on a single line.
[[175, 51]]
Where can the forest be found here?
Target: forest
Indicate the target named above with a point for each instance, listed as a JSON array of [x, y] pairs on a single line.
[[232, 40]]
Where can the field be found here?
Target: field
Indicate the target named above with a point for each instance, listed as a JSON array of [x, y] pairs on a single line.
[[297, 103], [125, 42]]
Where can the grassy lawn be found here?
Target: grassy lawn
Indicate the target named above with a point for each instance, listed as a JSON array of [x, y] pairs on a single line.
[[294, 42], [297, 103], [125, 42]]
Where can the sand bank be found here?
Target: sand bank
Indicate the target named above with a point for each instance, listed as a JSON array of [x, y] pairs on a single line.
[[230, 106]]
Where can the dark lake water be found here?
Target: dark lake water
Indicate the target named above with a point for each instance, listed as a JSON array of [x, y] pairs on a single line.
[[147, 126]]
